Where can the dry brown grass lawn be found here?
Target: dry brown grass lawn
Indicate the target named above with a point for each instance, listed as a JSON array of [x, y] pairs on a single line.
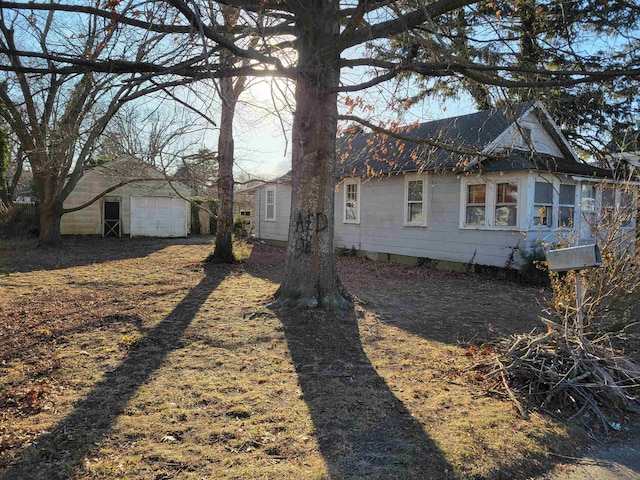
[[132, 359]]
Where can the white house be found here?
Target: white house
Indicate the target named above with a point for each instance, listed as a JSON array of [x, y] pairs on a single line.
[[151, 207], [401, 201]]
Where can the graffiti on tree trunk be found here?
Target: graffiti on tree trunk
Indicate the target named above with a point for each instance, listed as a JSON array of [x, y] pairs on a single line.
[[306, 227]]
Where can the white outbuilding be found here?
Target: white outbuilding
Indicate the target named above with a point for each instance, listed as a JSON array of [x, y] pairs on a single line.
[[149, 206]]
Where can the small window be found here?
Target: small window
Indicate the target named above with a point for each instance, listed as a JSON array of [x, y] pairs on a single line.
[[476, 205], [625, 209], [588, 206], [415, 201], [543, 205], [567, 208], [351, 201], [506, 214], [608, 203], [588, 199], [245, 213], [270, 204]]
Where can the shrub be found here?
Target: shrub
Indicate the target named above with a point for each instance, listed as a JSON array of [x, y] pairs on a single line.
[[241, 228], [533, 265], [208, 204], [19, 221]]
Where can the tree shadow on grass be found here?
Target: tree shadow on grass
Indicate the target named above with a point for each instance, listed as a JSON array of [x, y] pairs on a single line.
[[363, 430], [58, 454], [18, 255]]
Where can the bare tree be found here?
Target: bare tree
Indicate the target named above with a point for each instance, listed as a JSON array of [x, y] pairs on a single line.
[[199, 171], [58, 117], [5, 194], [229, 90]]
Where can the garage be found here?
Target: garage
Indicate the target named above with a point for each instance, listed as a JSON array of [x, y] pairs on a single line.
[[158, 217]]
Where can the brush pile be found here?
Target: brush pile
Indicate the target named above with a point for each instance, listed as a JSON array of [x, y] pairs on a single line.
[[566, 371]]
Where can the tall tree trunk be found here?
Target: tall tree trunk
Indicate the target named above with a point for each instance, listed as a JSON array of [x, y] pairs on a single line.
[[50, 216], [223, 252], [50, 205], [5, 194], [311, 278]]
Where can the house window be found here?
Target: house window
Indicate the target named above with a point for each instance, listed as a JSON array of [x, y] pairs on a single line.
[[543, 204], [415, 201], [588, 199], [566, 208], [608, 204], [588, 206], [476, 205], [625, 209], [506, 213], [245, 213], [270, 204], [616, 204], [352, 201]]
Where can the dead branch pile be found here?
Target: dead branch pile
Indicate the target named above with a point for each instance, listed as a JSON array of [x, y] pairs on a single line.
[[566, 372]]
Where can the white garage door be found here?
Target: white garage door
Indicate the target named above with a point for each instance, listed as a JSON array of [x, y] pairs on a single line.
[[158, 217]]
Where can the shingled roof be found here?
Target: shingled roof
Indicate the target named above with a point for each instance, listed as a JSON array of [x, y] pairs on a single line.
[[519, 160], [369, 154]]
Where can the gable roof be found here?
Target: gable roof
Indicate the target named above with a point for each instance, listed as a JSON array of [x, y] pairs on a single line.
[[138, 173], [468, 135]]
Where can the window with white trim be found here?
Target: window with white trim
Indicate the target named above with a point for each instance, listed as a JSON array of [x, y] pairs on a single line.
[[625, 207], [475, 207], [493, 204], [415, 201], [352, 201], [588, 199], [554, 204], [616, 204], [270, 204], [608, 203], [588, 206], [543, 204], [566, 205], [506, 208]]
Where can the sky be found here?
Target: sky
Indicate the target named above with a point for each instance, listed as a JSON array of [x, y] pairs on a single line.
[[262, 138]]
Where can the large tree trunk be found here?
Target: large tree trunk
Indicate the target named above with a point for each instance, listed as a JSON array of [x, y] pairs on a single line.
[[50, 203], [223, 252], [311, 278], [5, 194], [50, 216]]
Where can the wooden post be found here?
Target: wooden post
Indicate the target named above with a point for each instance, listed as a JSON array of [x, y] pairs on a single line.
[[579, 303]]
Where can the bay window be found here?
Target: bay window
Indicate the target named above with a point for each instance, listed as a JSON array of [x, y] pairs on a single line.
[[567, 205], [543, 204], [625, 209]]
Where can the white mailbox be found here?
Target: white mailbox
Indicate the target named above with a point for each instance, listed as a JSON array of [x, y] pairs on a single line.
[[574, 258]]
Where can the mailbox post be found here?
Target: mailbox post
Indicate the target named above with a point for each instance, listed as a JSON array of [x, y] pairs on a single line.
[[577, 259]]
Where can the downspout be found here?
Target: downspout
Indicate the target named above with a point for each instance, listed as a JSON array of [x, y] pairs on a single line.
[[259, 221]]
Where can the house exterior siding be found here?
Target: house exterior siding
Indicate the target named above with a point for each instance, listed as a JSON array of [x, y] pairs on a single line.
[[277, 229], [512, 137], [382, 230]]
